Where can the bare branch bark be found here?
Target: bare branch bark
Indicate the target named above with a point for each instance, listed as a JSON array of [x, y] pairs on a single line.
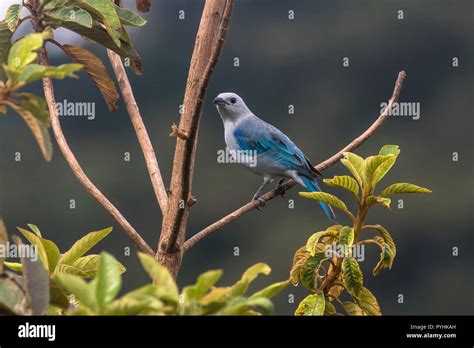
[[76, 168], [209, 40], [140, 130], [322, 166]]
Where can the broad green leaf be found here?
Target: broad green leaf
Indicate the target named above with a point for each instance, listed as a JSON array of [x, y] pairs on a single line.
[[346, 236], [309, 270], [344, 181], [239, 288], [69, 269], [32, 227], [83, 245], [203, 284], [326, 198], [50, 248], [14, 266], [36, 280], [355, 164], [299, 259], [105, 10], [94, 67], [57, 297], [89, 265], [352, 309], [382, 201], [40, 132], [314, 239], [37, 107], [34, 72], [101, 37], [71, 14], [329, 309], [368, 302], [403, 188], [373, 165], [389, 150], [23, 52], [5, 44], [83, 292], [240, 306], [132, 306], [386, 258], [39, 246], [312, 305], [109, 280], [52, 4], [271, 290], [128, 17], [352, 276], [13, 16], [12, 298], [160, 275]]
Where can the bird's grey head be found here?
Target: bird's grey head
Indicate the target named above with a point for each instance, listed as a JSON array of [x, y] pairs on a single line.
[[231, 106]]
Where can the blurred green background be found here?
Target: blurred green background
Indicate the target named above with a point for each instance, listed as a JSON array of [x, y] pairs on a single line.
[[282, 62]]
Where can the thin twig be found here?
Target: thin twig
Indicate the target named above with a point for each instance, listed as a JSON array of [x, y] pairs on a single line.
[[76, 168], [289, 184], [140, 130]]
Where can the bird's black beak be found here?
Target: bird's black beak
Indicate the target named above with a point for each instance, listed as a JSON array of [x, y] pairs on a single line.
[[220, 101]]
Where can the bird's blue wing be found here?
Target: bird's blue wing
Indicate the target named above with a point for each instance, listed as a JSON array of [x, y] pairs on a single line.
[[271, 142]]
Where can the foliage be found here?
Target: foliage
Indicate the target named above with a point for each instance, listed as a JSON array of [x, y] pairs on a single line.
[[326, 265], [21, 294], [100, 21]]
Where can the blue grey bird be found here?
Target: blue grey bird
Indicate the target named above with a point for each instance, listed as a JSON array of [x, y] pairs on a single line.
[[276, 155]]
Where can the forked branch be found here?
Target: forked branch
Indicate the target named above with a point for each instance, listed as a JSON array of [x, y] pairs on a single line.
[[322, 166]]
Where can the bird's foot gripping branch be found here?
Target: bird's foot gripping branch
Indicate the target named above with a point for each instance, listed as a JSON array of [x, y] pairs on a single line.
[[328, 264]]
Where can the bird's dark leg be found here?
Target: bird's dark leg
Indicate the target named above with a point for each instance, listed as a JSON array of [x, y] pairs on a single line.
[[256, 196], [280, 186]]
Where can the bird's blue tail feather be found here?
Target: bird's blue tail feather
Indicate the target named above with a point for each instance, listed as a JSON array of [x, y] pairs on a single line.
[[312, 186]]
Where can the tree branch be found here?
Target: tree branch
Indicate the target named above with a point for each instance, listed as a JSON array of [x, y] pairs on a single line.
[[209, 40], [76, 168], [140, 130], [322, 166]]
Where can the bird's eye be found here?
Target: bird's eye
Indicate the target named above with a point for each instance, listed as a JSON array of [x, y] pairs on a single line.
[[233, 100]]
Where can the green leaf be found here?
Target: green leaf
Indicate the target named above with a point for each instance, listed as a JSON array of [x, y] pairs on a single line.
[[5, 44], [3, 241], [83, 245], [241, 306], [34, 72], [32, 227], [352, 276], [389, 150], [71, 14], [403, 188], [329, 309], [109, 280], [326, 198], [101, 37], [36, 280], [355, 164], [128, 17], [271, 290], [23, 52], [57, 296], [346, 236], [50, 248], [160, 275], [204, 283], [312, 305], [83, 292], [12, 298], [386, 258], [239, 288], [37, 107], [345, 182], [40, 132], [309, 270], [352, 309], [69, 269], [105, 10], [94, 67], [311, 244], [369, 303], [382, 201], [36, 241], [299, 259], [13, 16], [14, 266], [88, 266]]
